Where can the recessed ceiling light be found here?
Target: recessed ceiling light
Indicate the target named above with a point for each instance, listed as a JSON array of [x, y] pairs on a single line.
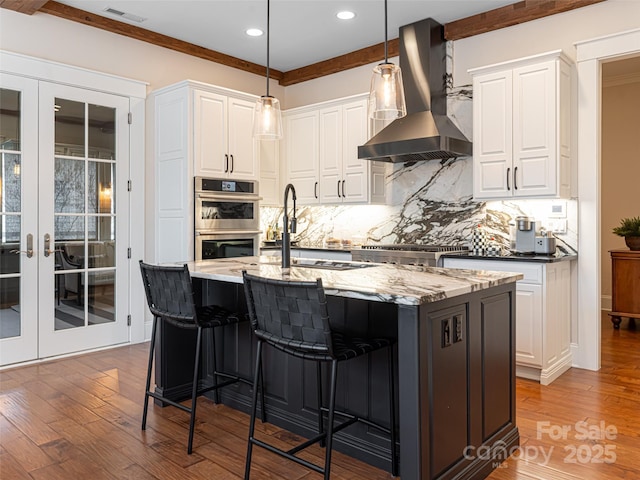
[[254, 32], [346, 15]]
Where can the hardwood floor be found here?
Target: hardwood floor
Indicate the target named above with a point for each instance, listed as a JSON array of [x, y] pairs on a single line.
[[79, 418]]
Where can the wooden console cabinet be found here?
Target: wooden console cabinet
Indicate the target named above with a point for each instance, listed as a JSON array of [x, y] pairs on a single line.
[[625, 273]]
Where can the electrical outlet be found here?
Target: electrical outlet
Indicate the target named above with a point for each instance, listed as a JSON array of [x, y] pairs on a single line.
[[446, 332], [556, 225], [457, 329]]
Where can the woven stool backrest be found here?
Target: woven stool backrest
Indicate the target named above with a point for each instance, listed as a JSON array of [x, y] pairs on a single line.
[[290, 315], [170, 294]]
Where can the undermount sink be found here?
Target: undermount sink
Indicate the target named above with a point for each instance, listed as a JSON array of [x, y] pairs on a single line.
[[327, 264]]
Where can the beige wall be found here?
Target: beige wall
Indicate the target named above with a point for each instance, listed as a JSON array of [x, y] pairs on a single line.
[[620, 166]]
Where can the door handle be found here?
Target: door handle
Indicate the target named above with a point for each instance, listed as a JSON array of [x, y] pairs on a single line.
[[47, 245], [343, 188], [338, 188], [29, 250], [515, 178], [231, 170], [226, 162], [508, 172], [315, 190]]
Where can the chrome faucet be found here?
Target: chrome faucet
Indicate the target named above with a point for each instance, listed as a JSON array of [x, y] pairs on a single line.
[[286, 243]]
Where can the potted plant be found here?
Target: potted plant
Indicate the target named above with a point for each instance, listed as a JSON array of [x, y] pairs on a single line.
[[629, 229]]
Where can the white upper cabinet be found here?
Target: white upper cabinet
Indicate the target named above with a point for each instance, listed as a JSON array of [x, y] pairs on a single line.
[[270, 172], [301, 140], [223, 136], [322, 154], [521, 128]]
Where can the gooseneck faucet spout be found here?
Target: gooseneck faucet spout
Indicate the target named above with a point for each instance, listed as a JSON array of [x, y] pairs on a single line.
[[286, 243]]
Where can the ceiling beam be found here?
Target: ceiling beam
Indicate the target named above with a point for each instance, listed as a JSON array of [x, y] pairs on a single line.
[[358, 58], [28, 7], [510, 15], [81, 16]]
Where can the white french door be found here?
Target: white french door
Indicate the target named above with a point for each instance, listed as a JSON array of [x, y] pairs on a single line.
[[19, 219], [72, 289]]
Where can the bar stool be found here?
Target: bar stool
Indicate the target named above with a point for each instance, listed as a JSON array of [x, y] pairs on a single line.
[[292, 316], [171, 299]]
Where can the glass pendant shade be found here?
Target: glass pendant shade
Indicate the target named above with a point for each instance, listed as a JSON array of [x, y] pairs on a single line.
[[386, 97], [267, 119]]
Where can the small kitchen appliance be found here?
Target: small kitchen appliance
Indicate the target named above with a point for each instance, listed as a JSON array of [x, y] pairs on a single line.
[[545, 244], [525, 235]]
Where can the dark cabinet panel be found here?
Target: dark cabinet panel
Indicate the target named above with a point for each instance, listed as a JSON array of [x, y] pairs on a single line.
[[497, 369], [449, 390]]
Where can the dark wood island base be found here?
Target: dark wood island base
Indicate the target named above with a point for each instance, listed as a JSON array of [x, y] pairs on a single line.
[[456, 379]]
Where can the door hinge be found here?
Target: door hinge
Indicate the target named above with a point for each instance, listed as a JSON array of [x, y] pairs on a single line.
[[129, 252], [130, 118], [128, 185], [128, 320]]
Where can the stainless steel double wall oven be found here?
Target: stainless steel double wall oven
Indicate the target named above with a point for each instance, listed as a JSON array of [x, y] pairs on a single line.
[[227, 218]]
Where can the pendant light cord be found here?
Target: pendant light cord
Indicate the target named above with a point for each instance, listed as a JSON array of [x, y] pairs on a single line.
[[386, 59], [268, 5]]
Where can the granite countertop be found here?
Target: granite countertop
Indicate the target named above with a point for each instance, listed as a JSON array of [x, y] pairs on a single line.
[[399, 284], [512, 257]]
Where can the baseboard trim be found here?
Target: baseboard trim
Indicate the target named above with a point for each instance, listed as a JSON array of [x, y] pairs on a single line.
[[605, 302]]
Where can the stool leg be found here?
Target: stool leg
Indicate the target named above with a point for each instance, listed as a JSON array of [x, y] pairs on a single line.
[[194, 390], [216, 392], [149, 367], [262, 410], [332, 407], [392, 413], [319, 393], [252, 421]]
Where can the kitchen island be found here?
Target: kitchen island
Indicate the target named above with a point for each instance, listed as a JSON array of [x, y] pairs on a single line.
[[456, 351]]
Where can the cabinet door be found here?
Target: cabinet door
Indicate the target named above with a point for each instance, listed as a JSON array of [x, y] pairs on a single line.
[[534, 137], [355, 172], [210, 134], [330, 143], [301, 142], [529, 324], [492, 135], [243, 159], [269, 186]]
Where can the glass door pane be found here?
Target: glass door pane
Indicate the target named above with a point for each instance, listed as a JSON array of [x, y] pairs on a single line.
[[18, 222]]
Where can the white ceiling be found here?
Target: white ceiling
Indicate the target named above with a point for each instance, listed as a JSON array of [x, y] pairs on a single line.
[[303, 32]]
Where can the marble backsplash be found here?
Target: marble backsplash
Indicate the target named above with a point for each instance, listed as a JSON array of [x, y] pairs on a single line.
[[429, 202]]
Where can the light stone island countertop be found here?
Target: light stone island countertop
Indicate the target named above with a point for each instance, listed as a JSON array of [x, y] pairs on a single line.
[[399, 284]]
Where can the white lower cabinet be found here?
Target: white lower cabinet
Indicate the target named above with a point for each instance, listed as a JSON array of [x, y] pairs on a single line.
[[543, 314]]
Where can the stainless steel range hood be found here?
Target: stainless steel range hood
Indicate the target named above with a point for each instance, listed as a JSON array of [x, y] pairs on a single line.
[[425, 133]]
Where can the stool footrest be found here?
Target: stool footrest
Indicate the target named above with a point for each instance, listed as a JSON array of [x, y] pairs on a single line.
[[157, 396], [356, 418], [287, 455]]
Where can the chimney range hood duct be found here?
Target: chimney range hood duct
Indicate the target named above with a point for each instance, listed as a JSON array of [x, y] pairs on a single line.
[[425, 133]]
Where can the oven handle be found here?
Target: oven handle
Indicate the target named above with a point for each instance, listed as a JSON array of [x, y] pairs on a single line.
[[205, 233], [229, 196]]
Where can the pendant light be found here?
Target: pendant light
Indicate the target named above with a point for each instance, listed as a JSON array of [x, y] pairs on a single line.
[[386, 97], [267, 117]]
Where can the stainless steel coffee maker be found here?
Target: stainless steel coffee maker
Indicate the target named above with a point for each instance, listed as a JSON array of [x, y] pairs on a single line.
[[525, 235]]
